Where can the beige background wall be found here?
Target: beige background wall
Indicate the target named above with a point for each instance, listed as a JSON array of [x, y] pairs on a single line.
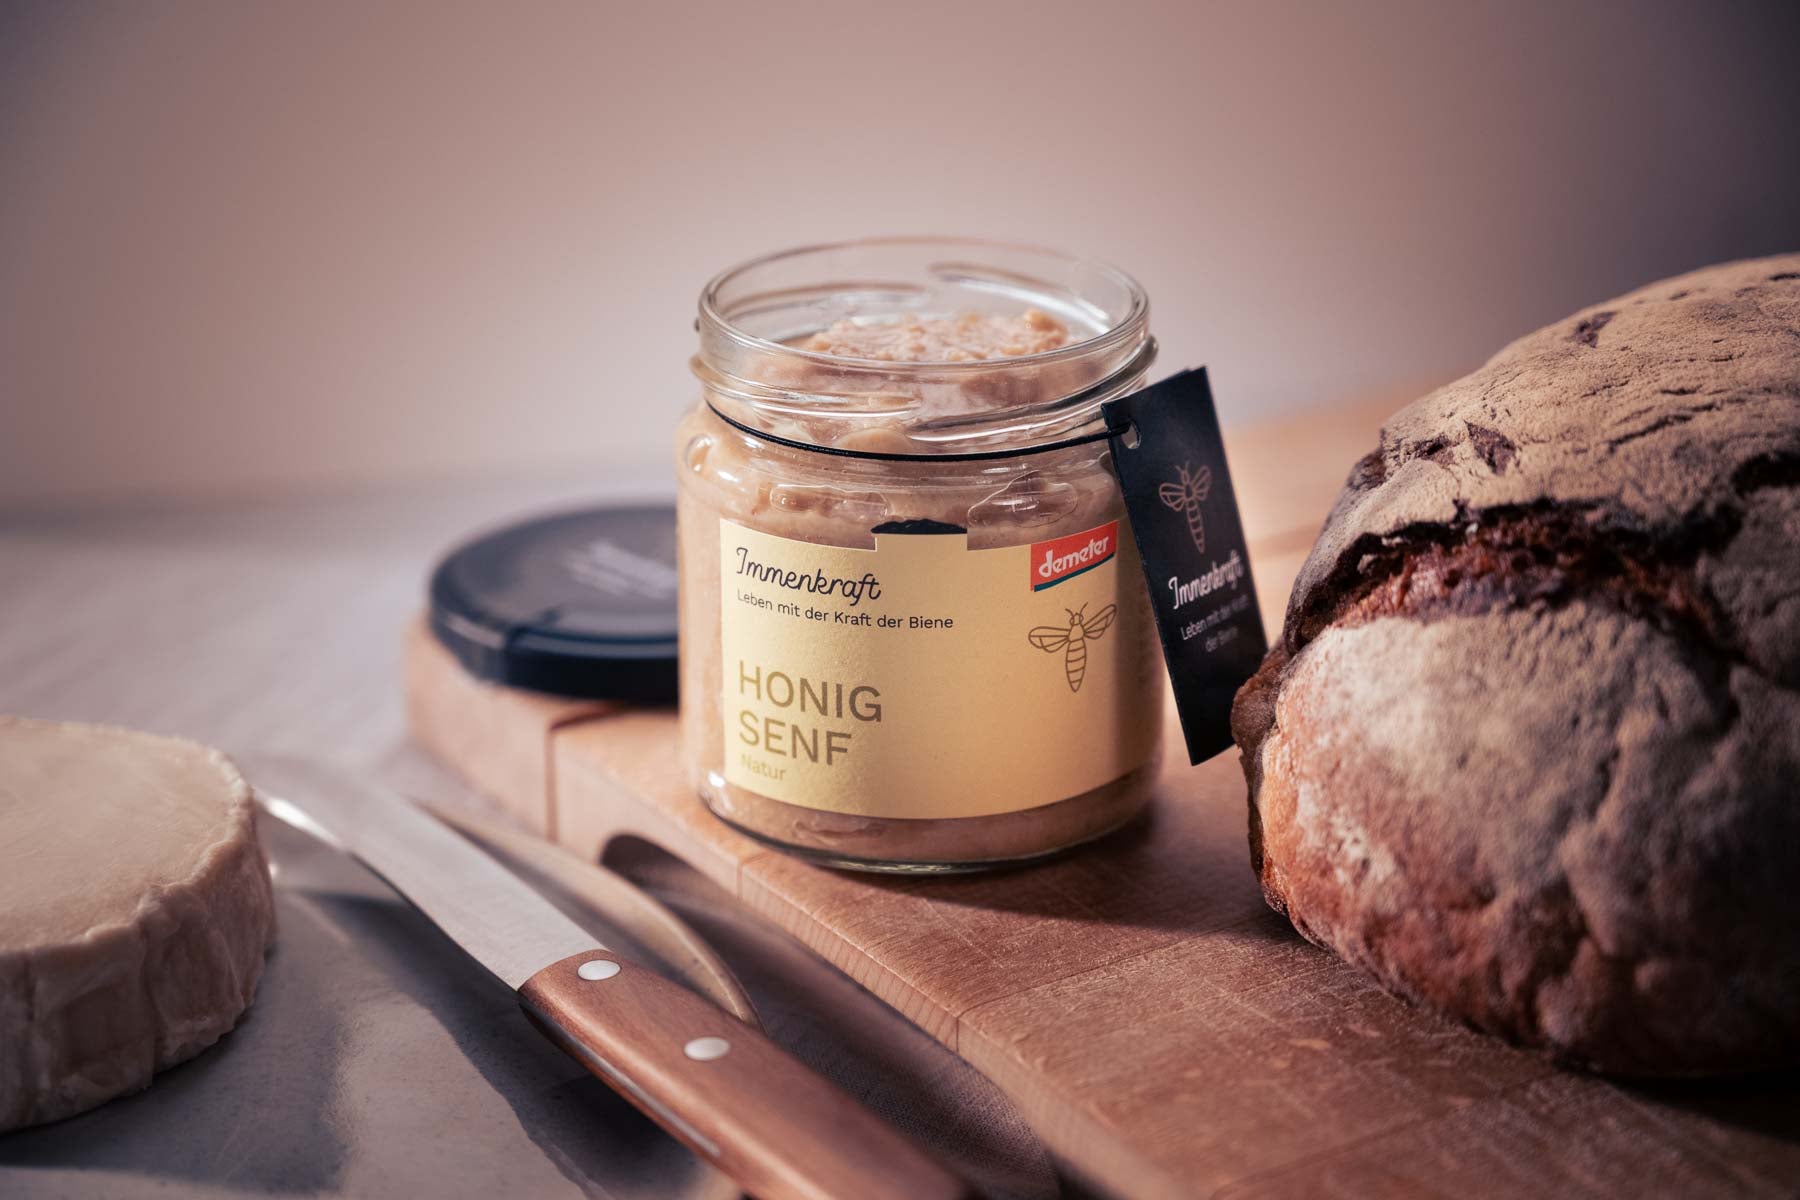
[[253, 246]]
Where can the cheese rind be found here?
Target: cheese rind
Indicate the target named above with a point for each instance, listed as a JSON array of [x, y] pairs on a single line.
[[135, 910]]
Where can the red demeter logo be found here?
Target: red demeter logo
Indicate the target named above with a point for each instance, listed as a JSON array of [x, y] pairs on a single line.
[[1066, 557]]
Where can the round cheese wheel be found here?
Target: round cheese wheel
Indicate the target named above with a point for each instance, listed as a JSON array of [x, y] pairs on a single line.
[[135, 910]]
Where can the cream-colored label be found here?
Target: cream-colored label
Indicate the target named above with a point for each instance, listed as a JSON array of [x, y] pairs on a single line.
[[925, 679]]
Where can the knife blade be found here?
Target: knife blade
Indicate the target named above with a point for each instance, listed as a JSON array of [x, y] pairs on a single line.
[[716, 1084]]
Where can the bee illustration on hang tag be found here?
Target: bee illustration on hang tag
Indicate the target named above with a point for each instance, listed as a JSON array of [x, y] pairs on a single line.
[[1186, 498], [1073, 638]]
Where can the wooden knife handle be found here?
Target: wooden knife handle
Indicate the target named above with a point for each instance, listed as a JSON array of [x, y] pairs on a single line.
[[734, 1097]]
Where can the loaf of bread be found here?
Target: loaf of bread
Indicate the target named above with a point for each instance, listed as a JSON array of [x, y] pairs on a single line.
[[1528, 747]]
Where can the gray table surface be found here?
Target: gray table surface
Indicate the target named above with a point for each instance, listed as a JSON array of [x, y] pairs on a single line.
[[374, 1062]]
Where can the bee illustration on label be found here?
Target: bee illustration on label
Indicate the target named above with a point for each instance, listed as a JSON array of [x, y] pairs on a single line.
[[1075, 636], [1186, 497]]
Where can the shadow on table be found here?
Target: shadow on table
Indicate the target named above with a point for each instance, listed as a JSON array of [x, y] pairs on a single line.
[[836, 1027], [1763, 1104], [1164, 872], [597, 1140], [377, 1059], [250, 1113]]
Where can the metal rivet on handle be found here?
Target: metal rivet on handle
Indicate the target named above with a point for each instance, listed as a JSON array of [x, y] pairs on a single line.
[[707, 1048], [595, 969]]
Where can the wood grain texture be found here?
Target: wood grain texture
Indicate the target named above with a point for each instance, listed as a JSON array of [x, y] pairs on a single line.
[[500, 733], [1165, 1033], [743, 1104]]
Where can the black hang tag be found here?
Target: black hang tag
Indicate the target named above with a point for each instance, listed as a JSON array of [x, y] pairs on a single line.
[[1171, 463]]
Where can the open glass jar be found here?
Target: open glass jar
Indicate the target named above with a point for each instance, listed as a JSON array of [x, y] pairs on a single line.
[[914, 633]]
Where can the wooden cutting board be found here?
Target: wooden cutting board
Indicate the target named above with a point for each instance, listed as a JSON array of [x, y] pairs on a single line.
[[1165, 1033]]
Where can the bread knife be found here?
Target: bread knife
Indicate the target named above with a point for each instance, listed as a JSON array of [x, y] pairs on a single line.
[[736, 1099]]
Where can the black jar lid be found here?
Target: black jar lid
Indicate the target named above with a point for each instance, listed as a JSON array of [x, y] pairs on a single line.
[[578, 604]]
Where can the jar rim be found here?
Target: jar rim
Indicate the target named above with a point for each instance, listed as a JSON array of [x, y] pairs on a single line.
[[775, 387], [1136, 368], [714, 317]]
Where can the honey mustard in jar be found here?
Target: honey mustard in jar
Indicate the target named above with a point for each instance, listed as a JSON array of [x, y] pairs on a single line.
[[914, 633]]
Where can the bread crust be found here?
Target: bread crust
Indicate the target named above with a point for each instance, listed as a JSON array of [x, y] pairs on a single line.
[[1527, 747]]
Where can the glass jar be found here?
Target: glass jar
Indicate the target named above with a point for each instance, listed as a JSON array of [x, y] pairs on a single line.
[[914, 632]]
